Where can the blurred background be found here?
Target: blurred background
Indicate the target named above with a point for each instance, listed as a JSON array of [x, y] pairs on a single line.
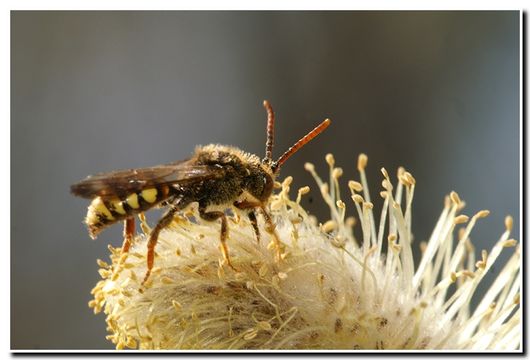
[[435, 92]]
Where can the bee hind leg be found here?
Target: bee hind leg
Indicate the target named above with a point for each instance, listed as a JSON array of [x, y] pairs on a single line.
[[153, 239], [212, 216], [129, 230]]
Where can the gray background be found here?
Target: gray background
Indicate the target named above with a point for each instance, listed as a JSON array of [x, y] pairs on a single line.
[[96, 91]]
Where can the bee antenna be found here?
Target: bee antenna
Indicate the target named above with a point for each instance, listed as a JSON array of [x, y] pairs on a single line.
[[310, 136], [270, 131]]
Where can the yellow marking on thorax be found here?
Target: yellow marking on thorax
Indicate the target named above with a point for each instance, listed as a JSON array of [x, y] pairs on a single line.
[[98, 207], [132, 201], [118, 207], [149, 195]]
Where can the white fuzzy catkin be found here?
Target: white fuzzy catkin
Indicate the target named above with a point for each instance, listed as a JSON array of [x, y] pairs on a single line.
[[327, 291]]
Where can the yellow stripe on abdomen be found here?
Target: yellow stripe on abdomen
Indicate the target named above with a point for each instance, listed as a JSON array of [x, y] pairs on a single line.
[[103, 212], [97, 216], [149, 195], [98, 207], [132, 201], [118, 207]]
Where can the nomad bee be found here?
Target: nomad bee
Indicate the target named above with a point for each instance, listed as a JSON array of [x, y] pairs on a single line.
[[216, 175]]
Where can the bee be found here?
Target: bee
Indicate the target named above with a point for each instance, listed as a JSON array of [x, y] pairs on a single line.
[[215, 176]]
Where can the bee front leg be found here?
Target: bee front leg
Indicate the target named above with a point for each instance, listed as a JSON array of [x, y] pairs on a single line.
[[212, 216], [153, 238], [271, 229], [247, 205], [252, 217]]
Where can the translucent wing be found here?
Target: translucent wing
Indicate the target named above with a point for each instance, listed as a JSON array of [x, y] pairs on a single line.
[[124, 182]]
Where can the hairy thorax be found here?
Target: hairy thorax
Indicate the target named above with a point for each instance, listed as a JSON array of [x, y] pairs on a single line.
[[245, 177]]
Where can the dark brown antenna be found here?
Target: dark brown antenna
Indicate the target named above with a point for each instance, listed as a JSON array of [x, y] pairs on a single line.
[[270, 131], [310, 136]]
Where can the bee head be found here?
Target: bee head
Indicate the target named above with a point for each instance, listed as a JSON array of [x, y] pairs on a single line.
[[276, 165]]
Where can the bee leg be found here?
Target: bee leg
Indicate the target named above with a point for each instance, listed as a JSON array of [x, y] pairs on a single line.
[[252, 217], [212, 216], [128, 234], [244, 205], [271, 229], [153, 238]]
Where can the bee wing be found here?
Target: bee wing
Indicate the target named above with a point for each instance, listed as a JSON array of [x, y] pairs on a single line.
[[124, 182]]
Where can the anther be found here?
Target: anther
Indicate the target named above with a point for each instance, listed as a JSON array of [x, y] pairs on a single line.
[[386, 185], [330, 159], [287, 181], [102, 264], [508, 222], [410, 178], [482, 214], [303, 190], [357, 198], [329, 226], [461, 219], [384, 172], [337, 173], [403, 179], [309, 167], [362, 161], [355, 186], [455, 198]]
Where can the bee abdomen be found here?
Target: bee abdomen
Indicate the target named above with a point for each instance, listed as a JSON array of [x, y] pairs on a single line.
[[105, 212]]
